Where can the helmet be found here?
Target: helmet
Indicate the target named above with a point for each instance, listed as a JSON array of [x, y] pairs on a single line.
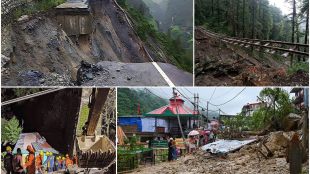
[[41, 153], [8, 149]]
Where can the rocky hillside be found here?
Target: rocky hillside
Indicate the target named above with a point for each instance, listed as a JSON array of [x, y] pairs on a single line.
[[37, 51]]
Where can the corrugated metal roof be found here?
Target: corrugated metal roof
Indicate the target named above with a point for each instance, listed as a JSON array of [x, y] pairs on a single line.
[[38, 143]]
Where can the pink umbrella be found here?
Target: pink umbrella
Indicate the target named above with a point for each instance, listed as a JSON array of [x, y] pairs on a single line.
[[193, 133]]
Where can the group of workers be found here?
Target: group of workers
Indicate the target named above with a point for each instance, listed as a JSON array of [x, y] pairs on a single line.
[[40, 164]]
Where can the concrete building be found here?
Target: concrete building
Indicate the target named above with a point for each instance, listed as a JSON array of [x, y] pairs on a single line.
[[299, 98], [250, 108]]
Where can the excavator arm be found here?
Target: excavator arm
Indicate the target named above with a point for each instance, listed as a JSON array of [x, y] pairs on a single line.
[[96, 105]]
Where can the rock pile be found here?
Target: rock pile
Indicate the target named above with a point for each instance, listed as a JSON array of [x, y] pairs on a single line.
[[243, 161]]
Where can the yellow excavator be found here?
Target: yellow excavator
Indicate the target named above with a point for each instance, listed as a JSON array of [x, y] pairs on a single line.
[[95, 151]]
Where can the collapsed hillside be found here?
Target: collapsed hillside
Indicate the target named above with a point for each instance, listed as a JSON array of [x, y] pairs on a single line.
[[37, 51], [221, 64]]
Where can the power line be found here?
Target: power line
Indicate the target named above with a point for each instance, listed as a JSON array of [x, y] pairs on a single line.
[[230, 99], [212, 94], [220, 96], [185, 94], [26, 97], [155, 94], [188, 91]]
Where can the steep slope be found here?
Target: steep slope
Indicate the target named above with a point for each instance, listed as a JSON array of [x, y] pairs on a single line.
[[37, 51], [221, 64], [113, 38], [39, 44]]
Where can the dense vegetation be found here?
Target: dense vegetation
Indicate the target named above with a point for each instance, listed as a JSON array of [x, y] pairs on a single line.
[[176, 43], [254, 19], [278, 106], [129, 99]]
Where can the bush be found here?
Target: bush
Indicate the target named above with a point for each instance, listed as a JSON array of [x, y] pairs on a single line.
[[300, 66]]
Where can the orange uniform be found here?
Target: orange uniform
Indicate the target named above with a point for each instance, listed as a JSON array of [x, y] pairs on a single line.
[[30, 164], [39, 161], [68, 161]]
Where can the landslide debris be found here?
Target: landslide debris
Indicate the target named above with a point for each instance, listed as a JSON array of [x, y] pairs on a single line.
[[221, 64], [36, 46], [246, 160]]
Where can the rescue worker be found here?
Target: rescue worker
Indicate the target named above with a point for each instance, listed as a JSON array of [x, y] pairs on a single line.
[[39, 161], [47, 162], [17, 162], [30, 164], [63, 163], [8, 160], [52, 162], [75, 160], [56, 164], [59, 163], [68, 161]]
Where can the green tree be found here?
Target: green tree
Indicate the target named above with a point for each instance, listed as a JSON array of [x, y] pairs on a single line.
[[278, 105], [10, 130]]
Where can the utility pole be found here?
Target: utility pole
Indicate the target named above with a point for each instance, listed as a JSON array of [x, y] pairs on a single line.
[[208, 110], [179, 121]]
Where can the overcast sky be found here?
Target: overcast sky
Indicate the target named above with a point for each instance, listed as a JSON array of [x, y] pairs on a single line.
[[281, 4], [221, 95]]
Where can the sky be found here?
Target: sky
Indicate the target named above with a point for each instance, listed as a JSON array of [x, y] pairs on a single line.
[[282, 5], [221, 95]]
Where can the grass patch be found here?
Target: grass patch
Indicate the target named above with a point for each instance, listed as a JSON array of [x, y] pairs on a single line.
[[300, 66], [82, 119]]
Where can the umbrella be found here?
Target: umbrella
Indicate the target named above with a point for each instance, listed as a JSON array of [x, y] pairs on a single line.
[[193, 133]]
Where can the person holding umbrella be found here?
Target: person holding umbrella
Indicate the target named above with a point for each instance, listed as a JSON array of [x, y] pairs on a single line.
[[193, 140]]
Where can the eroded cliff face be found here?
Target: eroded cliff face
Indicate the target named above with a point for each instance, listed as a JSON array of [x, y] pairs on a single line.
[[38, 51]]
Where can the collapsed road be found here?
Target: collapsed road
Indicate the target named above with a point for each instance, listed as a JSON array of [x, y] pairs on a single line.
[[42, 50]]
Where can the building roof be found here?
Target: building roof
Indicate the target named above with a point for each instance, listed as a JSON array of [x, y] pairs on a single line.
[[294, 90], [176, 106]]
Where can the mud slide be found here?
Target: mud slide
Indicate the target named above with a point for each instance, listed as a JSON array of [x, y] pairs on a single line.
[[38, 52], [221, 64]]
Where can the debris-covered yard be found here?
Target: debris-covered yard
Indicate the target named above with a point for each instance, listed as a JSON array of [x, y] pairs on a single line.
[[245, 160]]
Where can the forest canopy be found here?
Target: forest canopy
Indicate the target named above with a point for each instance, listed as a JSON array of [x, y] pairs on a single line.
[[128, 101], [256, 19]]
